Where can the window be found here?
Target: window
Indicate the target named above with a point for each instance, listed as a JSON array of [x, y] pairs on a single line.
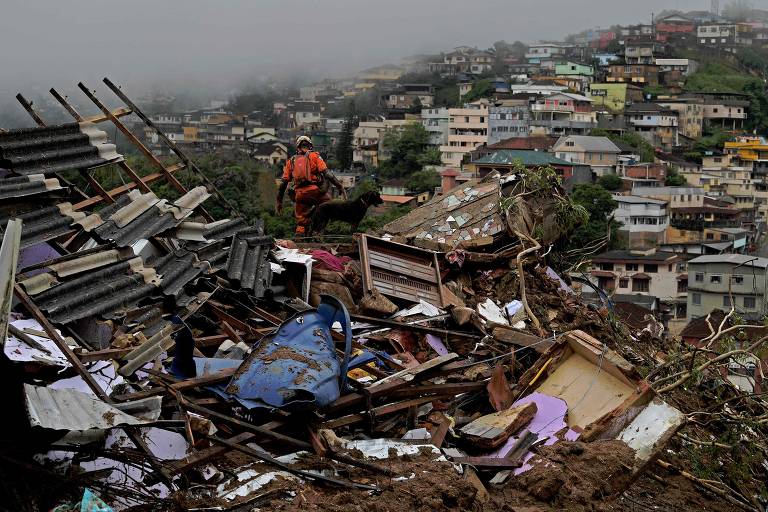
[[640, 285], [569, 143], [710, 236], [716, 279], [726, 301], [737, 279], [696, 299], [651, 268], [633, 267], [623, 282], [682, 286], [750, 303], [606, 266]]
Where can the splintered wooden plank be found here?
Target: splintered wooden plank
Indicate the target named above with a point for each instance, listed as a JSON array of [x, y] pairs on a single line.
[[492, 430]]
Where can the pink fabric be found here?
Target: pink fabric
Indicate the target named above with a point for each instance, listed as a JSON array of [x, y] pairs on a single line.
[[327, 261]]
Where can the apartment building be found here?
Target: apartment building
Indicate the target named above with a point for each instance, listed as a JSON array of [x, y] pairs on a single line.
[[563, 114], [467, 129], [724, 281], [435, 121], [724, 110], [690, 116], [507, 121]]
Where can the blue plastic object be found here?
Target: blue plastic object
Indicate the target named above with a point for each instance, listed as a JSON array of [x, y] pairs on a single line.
[[297, 367]]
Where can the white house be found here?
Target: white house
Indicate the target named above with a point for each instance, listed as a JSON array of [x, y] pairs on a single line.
[[644, 220]]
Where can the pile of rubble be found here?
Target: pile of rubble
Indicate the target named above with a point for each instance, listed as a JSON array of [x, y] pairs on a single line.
[[154, 361]]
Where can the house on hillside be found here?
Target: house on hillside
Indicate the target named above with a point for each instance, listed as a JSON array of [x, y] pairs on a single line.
[[644, 220], [674, 25], [638, 74], [600, 153], [725, 281], [726, 110], [270, 153], [648, 273], [614, 97], [656, 124]]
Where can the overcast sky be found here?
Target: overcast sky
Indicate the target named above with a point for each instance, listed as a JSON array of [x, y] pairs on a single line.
[[224, 43]]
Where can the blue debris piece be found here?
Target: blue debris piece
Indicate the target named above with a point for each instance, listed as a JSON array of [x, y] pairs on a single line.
[[92, 503], [296, 367]]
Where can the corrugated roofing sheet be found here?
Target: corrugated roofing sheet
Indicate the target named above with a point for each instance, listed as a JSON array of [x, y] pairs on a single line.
[[69, 409], [140, 216], [248, 262], [53, 149], [41, 222], [24, 186]]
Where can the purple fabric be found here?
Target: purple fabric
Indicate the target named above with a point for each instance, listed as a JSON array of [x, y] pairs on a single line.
[[549, 419], [437, 345], [35, 254]]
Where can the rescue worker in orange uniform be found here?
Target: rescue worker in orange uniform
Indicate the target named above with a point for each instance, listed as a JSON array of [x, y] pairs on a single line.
[[310, 177]]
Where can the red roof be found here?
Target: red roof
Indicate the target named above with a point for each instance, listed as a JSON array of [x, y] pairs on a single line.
[[541, 143], [602, 273], [641, 276]]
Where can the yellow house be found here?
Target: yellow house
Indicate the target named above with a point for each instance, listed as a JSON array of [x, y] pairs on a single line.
[[191, 134], [614, 97]]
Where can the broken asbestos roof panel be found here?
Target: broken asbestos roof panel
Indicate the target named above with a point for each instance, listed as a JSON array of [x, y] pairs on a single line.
[[68, 409], [468, 217], [99, 291], [53, 149]]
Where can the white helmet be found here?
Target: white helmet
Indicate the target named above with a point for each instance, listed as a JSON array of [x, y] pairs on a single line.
[[303, 138]]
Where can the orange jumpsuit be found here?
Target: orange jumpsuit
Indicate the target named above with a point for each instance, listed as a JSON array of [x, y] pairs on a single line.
[[309, 193]]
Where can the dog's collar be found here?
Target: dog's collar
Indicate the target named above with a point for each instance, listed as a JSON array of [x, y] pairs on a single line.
[[364, 203]]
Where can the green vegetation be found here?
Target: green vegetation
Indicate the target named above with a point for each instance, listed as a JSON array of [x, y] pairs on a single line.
[[343, 151], [409, 151], [480, 89], [674, 179], [601, 228], [717, 76], [423, 181], [610, 182]]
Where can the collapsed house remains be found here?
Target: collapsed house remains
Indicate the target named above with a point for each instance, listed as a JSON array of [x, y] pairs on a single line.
[[159, 359]]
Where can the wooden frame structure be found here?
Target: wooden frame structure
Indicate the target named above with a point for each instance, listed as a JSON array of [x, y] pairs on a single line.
[[166, 172]]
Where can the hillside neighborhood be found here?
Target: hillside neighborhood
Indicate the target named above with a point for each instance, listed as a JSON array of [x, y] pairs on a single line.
[[531, 277], [691, 161]]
